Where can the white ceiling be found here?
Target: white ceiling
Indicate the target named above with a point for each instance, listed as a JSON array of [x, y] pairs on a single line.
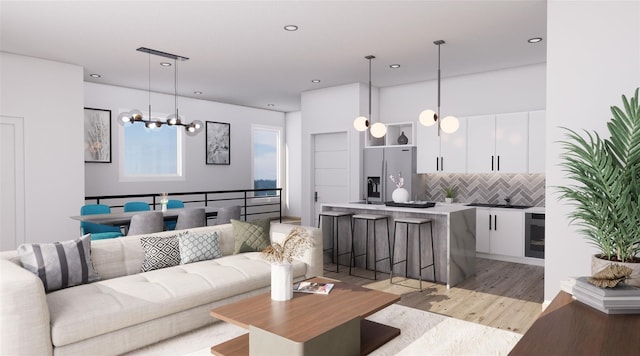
[[240, 54]]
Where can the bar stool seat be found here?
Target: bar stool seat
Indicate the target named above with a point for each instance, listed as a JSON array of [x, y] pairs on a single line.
[[368, 218], [416, 222], [335, 241]]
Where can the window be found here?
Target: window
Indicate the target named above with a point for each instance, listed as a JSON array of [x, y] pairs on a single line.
[[266, 158], [151, 154]]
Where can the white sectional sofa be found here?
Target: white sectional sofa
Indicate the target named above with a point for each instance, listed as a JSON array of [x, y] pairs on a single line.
[[128, 309]]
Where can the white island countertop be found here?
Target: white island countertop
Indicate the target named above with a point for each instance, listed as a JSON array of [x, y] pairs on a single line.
[[439, 209]]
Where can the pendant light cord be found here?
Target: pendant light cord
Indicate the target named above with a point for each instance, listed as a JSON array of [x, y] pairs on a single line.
[[149, 56], [175, 86]]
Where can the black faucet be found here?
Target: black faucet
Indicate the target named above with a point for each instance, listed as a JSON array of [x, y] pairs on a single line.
[[508, 201]]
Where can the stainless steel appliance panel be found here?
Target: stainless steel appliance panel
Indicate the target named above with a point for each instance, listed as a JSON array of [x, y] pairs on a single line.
[[534, 235], [379, 163], [399, 160]]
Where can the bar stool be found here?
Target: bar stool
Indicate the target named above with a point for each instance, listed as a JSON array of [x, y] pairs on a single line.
[[418, 222], [368, 218], [335, 241]]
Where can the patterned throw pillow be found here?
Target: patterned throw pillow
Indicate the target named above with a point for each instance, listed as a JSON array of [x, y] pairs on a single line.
[[60, 264], [199, 247], [251, 236], [160, 252]]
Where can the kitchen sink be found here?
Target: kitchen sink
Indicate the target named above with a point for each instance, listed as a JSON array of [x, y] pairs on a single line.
[[488, 205]]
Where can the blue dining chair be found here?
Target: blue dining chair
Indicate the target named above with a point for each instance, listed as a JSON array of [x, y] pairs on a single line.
[[98, 231], [136, 206], [173, 204]]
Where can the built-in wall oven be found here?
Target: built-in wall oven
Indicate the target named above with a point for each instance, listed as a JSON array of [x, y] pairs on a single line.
[[534, 235]]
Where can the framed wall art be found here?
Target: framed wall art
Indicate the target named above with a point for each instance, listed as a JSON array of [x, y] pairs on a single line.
[[218, 137], [97, 135]]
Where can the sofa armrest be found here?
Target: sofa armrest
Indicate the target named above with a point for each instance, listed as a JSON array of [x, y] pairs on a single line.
[[313, 257], [24, 313]]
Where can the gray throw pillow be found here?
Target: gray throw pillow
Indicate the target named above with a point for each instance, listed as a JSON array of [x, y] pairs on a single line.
[[199, 247], [251, 236], [160, 252], [60, 264]]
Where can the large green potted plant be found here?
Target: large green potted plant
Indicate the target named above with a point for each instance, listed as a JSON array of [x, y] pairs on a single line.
[[606, 187]]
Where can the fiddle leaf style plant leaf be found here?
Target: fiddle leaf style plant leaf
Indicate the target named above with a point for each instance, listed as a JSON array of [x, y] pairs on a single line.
[[606, 192]]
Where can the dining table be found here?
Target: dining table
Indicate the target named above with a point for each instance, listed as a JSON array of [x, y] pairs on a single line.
[[122, 218]]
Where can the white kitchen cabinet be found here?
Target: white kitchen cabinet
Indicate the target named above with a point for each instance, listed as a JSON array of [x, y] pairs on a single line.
[[500, 232], [445, 153], [537, 138], [512, 142], [453, 149], [481, 146], [498, 143]]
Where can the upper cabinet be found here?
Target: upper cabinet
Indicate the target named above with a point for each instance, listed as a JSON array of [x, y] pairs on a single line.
[[498, 143], [537, 144], [446, 153]]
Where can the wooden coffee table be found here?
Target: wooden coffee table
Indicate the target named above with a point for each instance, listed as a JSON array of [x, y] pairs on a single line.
[[308, 324]]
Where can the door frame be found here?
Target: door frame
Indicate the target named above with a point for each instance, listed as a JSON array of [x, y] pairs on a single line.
[[20, 223]]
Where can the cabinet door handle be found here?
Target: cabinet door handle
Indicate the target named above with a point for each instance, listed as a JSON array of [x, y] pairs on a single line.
[[498, 162], [489, 222], [441, 163], [495, 222], [491, 163], [437, 167]]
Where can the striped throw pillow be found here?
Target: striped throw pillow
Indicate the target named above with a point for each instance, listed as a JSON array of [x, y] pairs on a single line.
[[60, 264]]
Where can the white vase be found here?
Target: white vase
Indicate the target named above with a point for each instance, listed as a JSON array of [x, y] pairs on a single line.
[[400, 195], [448, 200], [281, 281]]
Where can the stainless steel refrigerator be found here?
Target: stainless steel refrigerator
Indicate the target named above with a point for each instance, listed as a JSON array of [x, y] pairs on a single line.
[[380, 163]]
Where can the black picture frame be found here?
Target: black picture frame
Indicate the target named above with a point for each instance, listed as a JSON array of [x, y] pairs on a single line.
[[97, 135], [218, 143]]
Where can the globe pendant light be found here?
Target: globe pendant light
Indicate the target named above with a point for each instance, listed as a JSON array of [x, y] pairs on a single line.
[[449, 124], [361, 123], [133, 116]]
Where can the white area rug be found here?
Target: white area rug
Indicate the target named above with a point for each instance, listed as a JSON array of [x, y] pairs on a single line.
[[422, 333]]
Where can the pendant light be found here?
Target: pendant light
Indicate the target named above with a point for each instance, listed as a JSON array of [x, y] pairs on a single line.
[[174, 119], [361, 123], [449, 124]]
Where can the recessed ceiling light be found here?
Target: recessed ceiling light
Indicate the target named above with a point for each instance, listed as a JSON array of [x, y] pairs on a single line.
[[165, 64], [95, 75], [291, 28], [315, 80], [534, 40], [394, 66], [197, 92], [271, 105]]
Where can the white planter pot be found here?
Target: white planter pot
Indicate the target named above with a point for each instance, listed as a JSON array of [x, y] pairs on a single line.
[[598, 264], [448, 200], [281, 281], [400, 195]]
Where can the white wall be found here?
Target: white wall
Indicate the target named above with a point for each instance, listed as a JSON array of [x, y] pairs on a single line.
[[49, 96], [593, 57], [293, 129], [103, 179], [509, 90]]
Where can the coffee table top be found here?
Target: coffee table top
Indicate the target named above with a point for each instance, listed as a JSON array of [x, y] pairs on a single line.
[[306, 315]]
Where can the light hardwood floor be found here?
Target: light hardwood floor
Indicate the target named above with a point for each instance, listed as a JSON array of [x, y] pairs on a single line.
[[503, 295]]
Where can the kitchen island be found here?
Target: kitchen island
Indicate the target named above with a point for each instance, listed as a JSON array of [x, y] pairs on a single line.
[[454, 230]]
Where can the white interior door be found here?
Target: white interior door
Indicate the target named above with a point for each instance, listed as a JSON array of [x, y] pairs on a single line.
[[12, 223], [331, 170]]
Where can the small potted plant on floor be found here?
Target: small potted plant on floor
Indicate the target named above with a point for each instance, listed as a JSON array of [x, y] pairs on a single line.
[[281, 255], [449, 194], [605, 192]]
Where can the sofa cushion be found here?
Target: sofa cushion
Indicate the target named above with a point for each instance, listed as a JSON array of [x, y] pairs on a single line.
[[252, 236], [60, 264], [160, 252], [196, 247], [114, 304]]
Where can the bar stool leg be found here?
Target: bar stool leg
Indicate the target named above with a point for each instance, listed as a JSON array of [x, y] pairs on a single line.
[[406, 252], [420, 256], [433, 251]]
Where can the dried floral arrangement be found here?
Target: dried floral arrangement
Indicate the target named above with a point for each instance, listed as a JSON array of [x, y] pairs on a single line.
[[294, 245], [399, 181]]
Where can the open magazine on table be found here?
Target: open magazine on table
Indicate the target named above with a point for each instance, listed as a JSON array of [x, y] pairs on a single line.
[[314, 287]]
